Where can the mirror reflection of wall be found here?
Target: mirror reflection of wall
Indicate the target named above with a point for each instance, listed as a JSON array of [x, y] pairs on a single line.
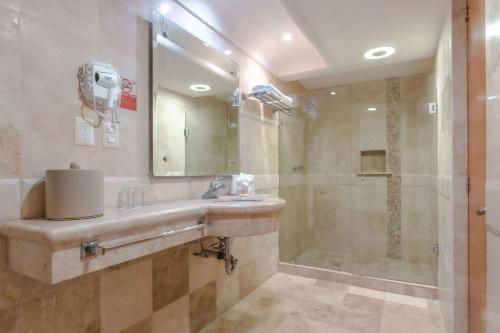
[[195, 120]]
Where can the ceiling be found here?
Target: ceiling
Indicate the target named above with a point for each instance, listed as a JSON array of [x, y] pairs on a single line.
[[257, 27], [329, 36]]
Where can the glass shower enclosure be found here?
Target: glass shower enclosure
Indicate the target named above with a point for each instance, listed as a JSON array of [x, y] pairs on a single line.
[[358, 171]]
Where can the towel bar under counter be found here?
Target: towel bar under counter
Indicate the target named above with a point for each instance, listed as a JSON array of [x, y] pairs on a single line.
[[95, 248]]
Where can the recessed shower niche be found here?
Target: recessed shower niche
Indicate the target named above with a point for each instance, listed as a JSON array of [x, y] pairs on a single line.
[[372, 161]]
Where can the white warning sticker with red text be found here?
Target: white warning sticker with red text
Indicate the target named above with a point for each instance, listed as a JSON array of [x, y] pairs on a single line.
[[129, 95]]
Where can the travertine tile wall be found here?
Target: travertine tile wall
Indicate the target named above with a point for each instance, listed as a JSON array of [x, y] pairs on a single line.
[[172, 291], [43, 44], [451, 82]]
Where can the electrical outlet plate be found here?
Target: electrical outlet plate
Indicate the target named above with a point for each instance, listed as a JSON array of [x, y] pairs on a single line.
[[433, 108], [110, 135], [84, 132]]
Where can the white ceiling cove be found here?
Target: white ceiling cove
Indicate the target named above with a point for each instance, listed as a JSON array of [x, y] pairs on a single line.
[[329, 36], [257, 27]]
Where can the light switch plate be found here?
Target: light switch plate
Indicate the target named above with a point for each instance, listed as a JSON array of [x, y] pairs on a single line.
[[110, 135], [433, 108], [84, 132]]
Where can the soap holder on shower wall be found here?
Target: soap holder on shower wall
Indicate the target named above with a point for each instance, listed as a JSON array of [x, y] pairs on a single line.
[[374, 174]]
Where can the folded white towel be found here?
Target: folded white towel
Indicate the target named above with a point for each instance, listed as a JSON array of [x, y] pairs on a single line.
[[273, 91]]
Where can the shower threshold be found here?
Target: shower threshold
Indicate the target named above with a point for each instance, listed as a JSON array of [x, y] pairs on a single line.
[[394, 286]]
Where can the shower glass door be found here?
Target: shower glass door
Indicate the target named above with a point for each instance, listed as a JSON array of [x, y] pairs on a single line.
[[358, 170], [315, 171]]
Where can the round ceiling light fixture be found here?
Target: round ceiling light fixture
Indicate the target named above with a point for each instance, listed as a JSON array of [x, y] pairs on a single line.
[[372, 109], [200, 87], [380, 52], [333, 93]]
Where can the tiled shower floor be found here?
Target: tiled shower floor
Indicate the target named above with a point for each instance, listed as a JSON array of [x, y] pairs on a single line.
[[291, 304], [386, 268]]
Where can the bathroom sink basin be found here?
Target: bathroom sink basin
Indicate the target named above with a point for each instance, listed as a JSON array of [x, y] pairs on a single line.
[[234, 198], [244, 216]]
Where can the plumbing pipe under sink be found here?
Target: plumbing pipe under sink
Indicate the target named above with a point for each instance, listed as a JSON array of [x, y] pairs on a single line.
[[221, 251]]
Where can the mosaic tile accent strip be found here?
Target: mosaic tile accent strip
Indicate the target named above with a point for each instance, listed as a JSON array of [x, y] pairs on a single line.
[[394, 166]]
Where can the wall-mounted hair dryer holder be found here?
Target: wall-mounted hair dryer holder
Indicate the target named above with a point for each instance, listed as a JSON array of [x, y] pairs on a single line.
[[100, 90]]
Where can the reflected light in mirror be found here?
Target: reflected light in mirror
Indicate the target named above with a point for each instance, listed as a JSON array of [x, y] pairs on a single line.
[[200, 87]]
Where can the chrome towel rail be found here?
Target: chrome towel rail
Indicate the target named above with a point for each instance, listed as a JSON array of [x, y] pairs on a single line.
[[95, 248], [276, 104]]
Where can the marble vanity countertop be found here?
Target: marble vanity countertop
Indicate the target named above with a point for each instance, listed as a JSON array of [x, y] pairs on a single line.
[[116, 221]]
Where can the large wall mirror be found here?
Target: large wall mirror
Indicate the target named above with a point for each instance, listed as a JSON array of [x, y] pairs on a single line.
[[195, 105]]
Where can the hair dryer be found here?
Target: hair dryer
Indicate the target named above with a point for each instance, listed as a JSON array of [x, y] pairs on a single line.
[[110, 82]]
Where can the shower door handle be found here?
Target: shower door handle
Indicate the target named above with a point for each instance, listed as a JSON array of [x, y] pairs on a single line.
[[481, 211]]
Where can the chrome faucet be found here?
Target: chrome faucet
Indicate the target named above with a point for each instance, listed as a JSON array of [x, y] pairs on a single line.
[[216, 184]]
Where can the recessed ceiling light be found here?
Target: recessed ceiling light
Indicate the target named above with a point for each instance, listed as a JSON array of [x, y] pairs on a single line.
[[372, 109], [164, 8], [200, 87], [228, 52], [287, 37], [380, 52], [333, 93]]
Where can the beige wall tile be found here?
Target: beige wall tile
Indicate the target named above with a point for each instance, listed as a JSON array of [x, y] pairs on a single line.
[[3, 255], [173, 317], [228, 288], [126, 295], [69, 307], [144, 326], [247, 278], [10, 195], [10, 320], [201, 270], [203, 306], [170, 276]]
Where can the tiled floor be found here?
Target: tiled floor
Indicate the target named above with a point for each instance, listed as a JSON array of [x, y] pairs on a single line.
[[292, 304]]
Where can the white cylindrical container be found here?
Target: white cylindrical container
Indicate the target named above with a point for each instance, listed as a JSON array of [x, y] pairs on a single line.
[[74, 194]]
